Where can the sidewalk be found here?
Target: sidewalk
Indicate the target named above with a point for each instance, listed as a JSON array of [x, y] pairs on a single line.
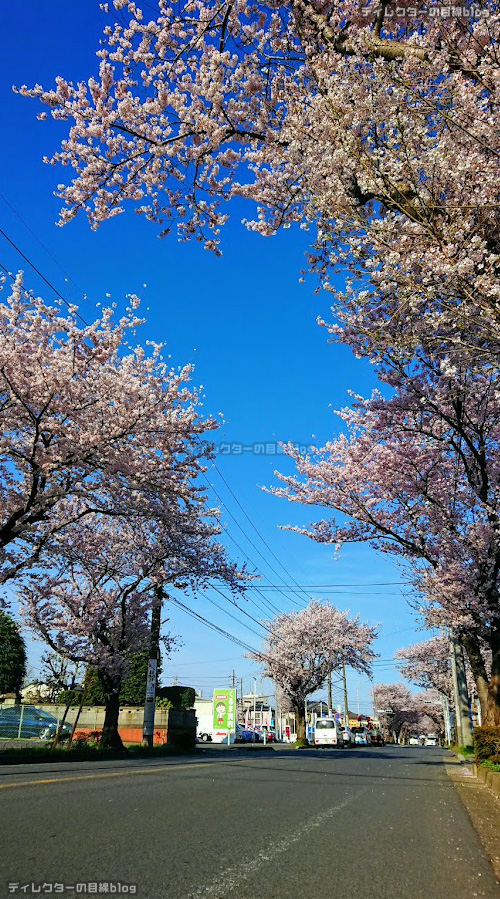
[[482, 805]]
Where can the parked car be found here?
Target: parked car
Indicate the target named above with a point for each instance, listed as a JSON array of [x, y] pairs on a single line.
[[361, 736], [348, 736], [376, 738], [328, 732], [244, 734], [414, 740], [432, 740], [35, 723]]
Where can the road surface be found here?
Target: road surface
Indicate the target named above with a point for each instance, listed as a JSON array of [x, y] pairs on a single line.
[[279, 824]]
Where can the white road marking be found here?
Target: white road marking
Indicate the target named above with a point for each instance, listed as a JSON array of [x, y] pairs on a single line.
[[231, 878]]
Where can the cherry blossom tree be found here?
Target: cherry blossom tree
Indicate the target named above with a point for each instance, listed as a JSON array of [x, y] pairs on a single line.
[[380, 132], [427, 664], [87, 424], [400, 711], [417, 475], [429, 708], [93, 604], [303, 647], [395, 708]]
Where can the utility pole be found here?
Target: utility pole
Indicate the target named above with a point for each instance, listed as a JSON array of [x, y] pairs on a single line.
[[254, 707], [462, 717], [330, 700], [152, 676], [346, 707], [446, 717]]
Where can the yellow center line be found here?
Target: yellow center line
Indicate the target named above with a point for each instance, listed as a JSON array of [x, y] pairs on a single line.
[[128, 773]]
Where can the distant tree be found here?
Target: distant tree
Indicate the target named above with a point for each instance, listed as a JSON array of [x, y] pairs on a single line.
[[303, 647], [57, 675], [12, 656], [430, 712], [395, 708]]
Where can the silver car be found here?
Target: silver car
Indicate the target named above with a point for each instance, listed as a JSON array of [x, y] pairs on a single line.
[[348, 736]]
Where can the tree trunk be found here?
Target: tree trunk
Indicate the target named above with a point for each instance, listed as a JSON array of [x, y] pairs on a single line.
[[300, 717], [476, 661], [492, 716], [488, 689], [110, 737]]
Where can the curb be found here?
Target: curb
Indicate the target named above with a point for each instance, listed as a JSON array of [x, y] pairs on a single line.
[[491, 779]]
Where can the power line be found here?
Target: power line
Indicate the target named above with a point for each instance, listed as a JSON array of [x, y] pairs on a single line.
[[234, 603], [39, 273], [211, 625], [279, 589], [335, 592], [324, 586], [47, 251], [227, 612], [266, 544]]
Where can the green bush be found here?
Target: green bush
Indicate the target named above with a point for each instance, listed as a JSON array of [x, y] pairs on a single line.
[[492, 764], [161, 702], [179, 697], [69, 697], [466, 750], [486, 742]]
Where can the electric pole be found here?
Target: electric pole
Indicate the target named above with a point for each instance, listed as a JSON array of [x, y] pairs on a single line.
[[346, 707], [330, 699], [462, 717], [152, 676], [446, 718]]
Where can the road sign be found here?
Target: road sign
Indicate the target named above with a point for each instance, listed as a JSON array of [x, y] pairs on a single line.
[[151, 680]]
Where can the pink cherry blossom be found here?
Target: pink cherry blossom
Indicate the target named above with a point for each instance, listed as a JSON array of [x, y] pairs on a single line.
[[88, 424], [303, 647], [417, 475], [380, 134]]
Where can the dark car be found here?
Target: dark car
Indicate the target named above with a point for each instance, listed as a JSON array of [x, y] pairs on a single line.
[[377, 738], [35, 723]]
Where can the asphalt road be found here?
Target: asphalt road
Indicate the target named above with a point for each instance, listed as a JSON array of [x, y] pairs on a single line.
[[278, 824]]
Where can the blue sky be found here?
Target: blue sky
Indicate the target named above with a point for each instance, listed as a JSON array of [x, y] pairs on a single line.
[[246, 323]]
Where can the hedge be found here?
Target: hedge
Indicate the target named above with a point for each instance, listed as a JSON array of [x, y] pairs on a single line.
[[179, 697], [487, 743]]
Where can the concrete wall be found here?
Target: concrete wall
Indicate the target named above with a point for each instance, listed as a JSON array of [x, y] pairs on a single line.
[[488, 777], [169, 723]]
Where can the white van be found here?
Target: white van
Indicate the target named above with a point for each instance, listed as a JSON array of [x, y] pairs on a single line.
[[328, 732]]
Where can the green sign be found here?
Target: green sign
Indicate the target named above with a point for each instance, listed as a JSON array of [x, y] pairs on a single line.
[[224, 709]]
